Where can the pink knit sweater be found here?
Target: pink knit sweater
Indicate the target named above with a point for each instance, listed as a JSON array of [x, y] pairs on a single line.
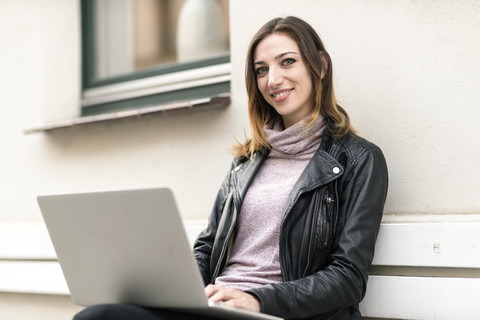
[[254, 260]]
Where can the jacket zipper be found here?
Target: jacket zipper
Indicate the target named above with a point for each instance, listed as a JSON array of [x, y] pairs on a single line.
[[328, 203], [312, 233], [222, 253], [339, 218]]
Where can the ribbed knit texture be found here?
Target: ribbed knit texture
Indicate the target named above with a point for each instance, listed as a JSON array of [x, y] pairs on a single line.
[[254, 261]]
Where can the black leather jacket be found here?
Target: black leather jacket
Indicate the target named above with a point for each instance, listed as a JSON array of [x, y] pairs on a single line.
[[328, 231]]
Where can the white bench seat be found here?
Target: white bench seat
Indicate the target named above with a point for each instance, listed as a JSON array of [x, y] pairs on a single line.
[[421, 270], [425, 270]]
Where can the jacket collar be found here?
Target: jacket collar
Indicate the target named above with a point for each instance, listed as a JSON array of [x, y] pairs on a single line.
[[322, 169]]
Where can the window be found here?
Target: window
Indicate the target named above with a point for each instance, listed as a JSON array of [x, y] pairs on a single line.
[[146, 53]]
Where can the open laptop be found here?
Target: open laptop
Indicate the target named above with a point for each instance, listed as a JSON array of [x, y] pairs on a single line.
[[128, 247]]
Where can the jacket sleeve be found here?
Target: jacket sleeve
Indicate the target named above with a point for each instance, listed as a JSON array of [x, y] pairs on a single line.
[[202, 248], [342, 283]]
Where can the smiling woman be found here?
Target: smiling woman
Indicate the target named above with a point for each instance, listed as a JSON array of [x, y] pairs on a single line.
[[311, 53]]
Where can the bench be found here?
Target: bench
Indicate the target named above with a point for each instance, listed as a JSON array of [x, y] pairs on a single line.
[[425, 270], [421, 270]]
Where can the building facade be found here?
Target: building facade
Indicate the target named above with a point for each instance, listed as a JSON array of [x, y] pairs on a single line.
[[406, 71]]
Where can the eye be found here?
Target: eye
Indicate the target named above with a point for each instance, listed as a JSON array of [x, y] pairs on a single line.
[[260, 71], [288, 61]]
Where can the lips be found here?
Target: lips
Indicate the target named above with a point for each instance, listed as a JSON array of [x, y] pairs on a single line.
[[281, 95]]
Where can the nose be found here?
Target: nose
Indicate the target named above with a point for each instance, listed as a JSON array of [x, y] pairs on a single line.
[[275, 78]]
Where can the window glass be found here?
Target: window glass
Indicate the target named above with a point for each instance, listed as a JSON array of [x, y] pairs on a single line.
[[134, 35]]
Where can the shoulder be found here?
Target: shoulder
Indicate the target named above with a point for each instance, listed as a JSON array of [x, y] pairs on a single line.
[[356, 148]]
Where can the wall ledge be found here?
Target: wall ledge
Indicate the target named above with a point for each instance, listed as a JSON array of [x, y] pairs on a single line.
[[203, 103]]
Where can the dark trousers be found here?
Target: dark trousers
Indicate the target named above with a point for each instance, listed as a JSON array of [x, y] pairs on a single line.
[[129, 312]]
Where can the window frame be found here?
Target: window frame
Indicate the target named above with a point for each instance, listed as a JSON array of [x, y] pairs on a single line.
[[161, 85]]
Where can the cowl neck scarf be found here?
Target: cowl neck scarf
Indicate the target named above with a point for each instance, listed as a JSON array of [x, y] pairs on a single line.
[[296, 140]]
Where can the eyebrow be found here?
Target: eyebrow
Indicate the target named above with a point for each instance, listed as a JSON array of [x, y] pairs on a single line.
[[277, 56]]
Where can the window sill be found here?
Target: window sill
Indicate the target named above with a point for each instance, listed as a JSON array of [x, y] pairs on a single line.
[[209, 102]]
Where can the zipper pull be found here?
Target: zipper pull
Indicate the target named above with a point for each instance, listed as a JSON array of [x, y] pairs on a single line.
[[329, 200]]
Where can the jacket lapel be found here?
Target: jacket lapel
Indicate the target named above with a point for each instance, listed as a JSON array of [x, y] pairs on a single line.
[[322, 169], [243, 174]]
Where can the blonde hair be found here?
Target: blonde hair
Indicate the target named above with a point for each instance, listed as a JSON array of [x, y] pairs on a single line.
[[316, 60]]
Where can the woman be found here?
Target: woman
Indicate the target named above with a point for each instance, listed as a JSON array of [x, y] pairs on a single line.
[[293, 229]]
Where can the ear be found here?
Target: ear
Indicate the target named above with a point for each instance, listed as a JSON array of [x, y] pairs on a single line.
[[324, 64]]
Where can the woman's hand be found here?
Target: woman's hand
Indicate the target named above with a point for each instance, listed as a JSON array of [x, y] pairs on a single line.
[[232, 297]]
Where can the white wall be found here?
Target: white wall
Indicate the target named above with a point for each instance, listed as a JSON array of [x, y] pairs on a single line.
[[40, 81]]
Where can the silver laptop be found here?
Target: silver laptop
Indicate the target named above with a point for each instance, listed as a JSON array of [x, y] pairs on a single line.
[[128, 247]]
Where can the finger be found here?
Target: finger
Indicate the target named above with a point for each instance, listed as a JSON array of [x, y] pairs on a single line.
[[223, 294], [216, 293], [210, 290], [237, 303], [243, 300], [232, 303]]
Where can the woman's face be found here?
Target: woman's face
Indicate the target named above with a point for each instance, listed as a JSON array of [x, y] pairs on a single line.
[[283, 78]]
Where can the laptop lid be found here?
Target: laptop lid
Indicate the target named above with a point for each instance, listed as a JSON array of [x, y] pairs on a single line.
[[130, 247], [122, 246]]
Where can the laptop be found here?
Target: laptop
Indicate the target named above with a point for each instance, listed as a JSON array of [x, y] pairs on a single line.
[[129, 246]]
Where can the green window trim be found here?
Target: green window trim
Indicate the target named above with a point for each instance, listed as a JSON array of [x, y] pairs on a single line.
[[165, 98], [218, 85]]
